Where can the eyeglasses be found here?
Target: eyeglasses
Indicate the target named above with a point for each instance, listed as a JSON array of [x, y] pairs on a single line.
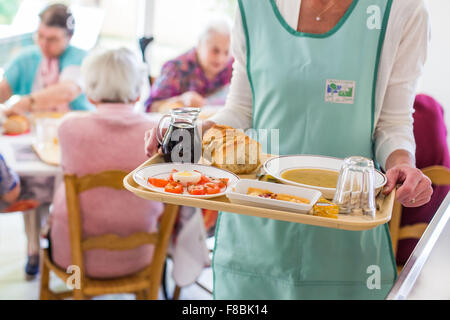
[[51, 40]]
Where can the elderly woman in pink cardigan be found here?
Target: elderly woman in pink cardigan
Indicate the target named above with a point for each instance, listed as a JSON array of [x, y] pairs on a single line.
[[108, 139]]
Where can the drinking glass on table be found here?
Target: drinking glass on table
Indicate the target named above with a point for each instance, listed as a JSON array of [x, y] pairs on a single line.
[[47, 132]]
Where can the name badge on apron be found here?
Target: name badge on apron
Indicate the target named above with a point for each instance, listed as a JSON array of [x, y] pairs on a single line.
[[340, 91]]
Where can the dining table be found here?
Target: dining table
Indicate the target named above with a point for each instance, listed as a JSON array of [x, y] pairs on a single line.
[[21, 157]]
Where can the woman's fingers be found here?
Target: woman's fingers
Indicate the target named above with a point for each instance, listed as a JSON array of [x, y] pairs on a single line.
[[10, 112], [408, 190], [147, 135], [415, 189], [423, 194], [200, 101], [151, 144], [193, 99], [392, 178]]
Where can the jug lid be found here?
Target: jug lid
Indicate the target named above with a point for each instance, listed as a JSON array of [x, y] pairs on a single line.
[[186, 111]]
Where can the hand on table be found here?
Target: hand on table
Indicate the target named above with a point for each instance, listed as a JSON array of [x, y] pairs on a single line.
[[19, 108], [193, 99], [415, 189]]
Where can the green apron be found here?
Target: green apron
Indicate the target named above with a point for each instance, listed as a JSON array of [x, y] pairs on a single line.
[[319, 91]]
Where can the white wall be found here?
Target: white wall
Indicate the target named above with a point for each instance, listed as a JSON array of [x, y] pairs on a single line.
[[121, 18], [436, 79]]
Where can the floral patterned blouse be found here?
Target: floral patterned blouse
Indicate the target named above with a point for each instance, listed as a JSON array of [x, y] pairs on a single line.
[[184, 74]]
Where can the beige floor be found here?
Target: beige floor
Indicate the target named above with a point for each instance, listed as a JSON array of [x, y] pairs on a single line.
[[14, 286]]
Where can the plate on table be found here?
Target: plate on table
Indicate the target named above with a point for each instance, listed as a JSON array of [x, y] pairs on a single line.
[[279, 166], [186, 172]]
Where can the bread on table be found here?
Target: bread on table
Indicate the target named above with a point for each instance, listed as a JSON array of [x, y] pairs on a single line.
[[16, 125], [231, 149]]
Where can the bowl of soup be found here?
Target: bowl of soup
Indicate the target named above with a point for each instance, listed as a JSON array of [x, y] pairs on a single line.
[[315, 172]]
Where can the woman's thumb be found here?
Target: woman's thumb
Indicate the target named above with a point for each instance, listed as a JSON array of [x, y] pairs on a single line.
[[392, 177]]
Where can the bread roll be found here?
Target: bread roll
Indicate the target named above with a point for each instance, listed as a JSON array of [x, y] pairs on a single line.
[[16, 125], [231, 149]]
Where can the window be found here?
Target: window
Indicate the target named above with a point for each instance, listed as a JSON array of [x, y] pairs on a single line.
[[8, 9]]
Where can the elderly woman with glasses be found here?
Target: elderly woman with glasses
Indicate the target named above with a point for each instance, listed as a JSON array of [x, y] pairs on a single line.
[[198, 76], [47, 75], [108, 139]]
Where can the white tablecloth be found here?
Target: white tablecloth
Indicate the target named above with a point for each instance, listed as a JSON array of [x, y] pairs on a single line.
[[21, 158]]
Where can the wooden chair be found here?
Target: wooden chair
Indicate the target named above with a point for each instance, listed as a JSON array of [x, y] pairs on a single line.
[[145, 283], [439, 176]]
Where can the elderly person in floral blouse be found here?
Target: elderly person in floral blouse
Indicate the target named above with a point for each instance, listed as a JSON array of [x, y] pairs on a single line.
[[191, 78]]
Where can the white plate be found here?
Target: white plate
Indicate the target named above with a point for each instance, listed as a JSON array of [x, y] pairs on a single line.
[[238, 194], [163, 171], [276, 166]]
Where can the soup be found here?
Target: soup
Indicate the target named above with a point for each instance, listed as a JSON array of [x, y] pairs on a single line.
[[312, 177]]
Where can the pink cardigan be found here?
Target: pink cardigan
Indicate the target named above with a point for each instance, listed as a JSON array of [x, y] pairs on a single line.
[[112, 138]]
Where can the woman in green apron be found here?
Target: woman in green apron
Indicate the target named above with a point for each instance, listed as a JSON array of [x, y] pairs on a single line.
[[316, 82]]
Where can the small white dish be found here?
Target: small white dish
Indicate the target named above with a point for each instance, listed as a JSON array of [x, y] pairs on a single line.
[[163, 171], [238, 194], [276, 166]]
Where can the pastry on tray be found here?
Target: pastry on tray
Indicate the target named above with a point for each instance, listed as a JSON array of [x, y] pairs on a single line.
[[231, 149], [16, 125]]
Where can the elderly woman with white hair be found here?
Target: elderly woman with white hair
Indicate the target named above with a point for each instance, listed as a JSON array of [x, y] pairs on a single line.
[[200, 72], [108, 139]]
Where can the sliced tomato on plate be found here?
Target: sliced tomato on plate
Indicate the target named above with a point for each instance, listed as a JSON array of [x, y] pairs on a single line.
[[204, 179], [221, 182], [197, 190], [174, 187], [159, 183], [212, 188], [171, 175]]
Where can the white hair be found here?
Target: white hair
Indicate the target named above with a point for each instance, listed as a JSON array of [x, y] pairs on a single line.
[[113, 76], [220, 24]]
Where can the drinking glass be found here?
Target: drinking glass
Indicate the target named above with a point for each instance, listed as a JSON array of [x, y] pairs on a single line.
[[47, 132], [355, 190]]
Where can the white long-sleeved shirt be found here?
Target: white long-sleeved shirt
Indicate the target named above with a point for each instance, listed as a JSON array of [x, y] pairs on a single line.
[[402, 60]]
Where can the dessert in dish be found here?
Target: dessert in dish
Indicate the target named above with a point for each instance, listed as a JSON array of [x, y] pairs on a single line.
[[325, 208]]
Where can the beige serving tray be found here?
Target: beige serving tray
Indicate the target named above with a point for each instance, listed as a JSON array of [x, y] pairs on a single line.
[[345, 222]]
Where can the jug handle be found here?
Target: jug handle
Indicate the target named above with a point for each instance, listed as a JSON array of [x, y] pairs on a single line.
[[159, 135]]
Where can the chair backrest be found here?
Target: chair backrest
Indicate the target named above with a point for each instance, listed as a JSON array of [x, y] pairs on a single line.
[[112, 179], [439, 176]]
